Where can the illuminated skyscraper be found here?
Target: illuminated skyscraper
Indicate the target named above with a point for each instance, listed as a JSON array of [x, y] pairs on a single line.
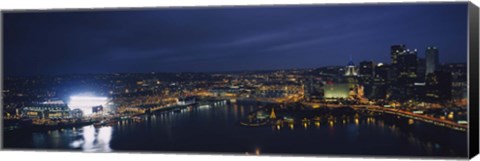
[[312, 89], [366, 72], [432, 63], [421, 70], [403, 73], [407, 65], [459, 74], [367, 68], [438, 86], [379, 88], [351, 70], [395, 51]]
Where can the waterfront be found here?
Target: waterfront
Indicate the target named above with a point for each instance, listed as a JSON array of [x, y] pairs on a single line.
[[217, 129]]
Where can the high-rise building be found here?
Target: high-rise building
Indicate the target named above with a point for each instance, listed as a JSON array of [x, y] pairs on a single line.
[[367, 69], [405, 76], [382, 71], [407, 65], [366, 72], [379, 87], [395, 51], [439, 86], [312, 89], [431, 62], [421, 70], [458, 72]]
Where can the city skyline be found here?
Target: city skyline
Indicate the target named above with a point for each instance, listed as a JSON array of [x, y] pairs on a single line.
[[218, 40], [301, 80]]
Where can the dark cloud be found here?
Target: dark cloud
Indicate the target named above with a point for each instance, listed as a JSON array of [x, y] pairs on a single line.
[[228, 38]]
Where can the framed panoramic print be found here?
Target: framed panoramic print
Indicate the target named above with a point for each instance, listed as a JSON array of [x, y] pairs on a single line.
[[386, 79]]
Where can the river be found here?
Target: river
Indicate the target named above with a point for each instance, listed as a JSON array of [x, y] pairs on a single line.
[[216, 129]]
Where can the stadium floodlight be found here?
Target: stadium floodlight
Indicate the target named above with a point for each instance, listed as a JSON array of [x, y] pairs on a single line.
[[85, 103]]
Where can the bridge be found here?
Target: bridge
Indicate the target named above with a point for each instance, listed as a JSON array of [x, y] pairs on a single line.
[[402, 113], [420, 117], [373, 108]]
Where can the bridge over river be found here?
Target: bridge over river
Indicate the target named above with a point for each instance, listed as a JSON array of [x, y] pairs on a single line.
[[373, 108], [402, 113]]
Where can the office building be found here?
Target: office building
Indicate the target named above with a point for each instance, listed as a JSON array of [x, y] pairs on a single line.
[[438, 86], [395, 51], [367, 69], [431, 60]]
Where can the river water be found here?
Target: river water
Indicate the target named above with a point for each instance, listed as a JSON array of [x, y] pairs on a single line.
[[216, 129]]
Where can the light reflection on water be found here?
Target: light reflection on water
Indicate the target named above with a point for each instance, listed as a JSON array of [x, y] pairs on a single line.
[[94, 139], [169, 130]]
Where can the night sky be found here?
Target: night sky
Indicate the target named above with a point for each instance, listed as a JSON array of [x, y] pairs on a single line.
[[226, 38]]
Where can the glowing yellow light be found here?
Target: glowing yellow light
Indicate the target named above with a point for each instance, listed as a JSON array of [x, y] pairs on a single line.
[[411, 121], [257, 151], [32, 113], [450, 115]]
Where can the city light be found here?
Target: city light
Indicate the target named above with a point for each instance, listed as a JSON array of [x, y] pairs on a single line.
[[94, 140], [85, 103]]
